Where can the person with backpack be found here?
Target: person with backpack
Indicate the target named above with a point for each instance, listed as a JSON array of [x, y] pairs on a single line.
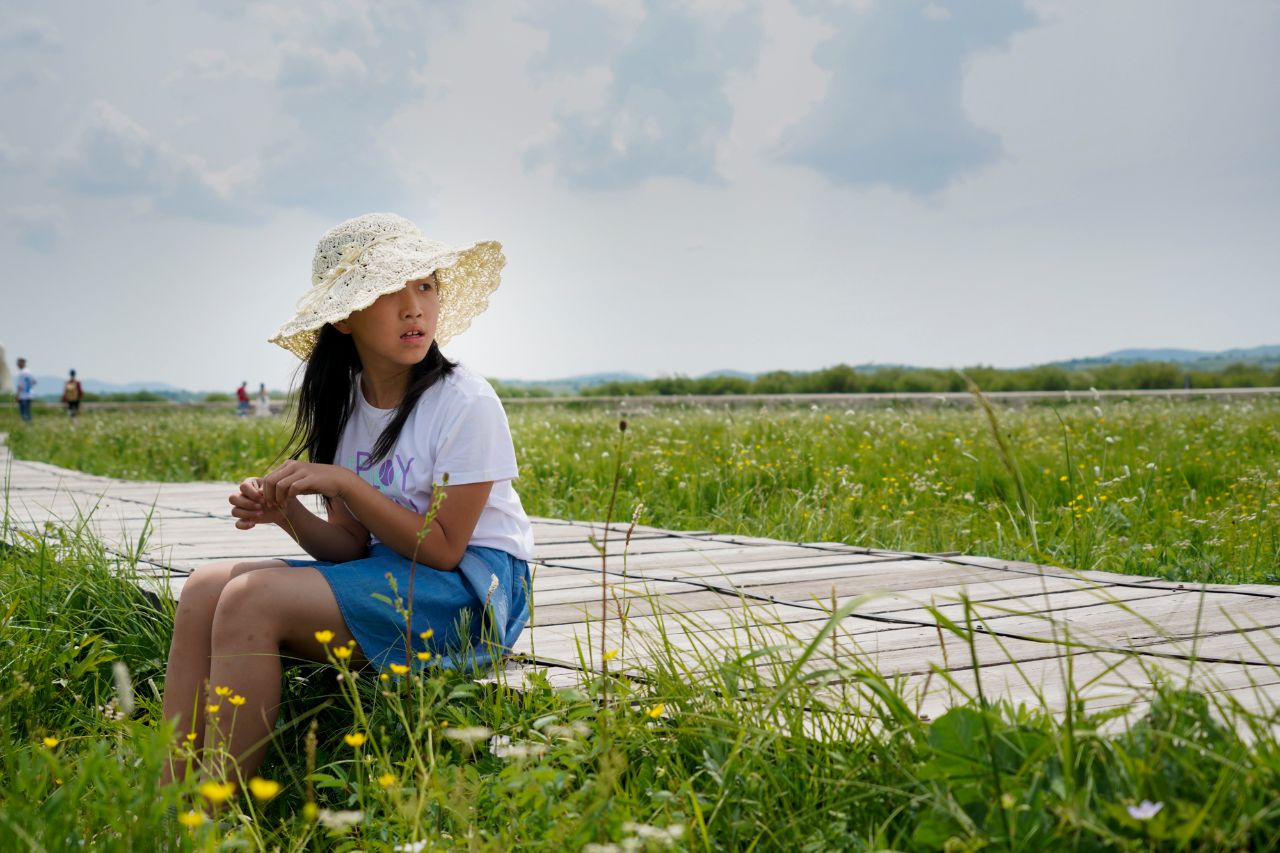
[[72, 394]]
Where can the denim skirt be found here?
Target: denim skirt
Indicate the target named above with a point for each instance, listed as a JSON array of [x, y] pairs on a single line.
[[474, 614]]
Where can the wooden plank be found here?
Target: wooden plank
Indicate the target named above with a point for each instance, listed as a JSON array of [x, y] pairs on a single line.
[[714, 594], [715, 558]]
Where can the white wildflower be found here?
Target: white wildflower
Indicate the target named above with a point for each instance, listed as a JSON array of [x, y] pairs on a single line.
[[575, 730], [648, 832], [339, 819], [124, 687], [1145, 810], [411, 847], [470, 735]]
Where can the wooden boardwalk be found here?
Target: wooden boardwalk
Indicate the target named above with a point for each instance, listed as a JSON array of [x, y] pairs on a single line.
[[705, 593]]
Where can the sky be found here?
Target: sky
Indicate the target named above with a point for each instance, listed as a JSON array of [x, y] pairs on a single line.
[[679, 187]]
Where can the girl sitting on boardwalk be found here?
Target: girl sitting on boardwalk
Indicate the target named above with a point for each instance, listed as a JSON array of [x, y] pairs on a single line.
[[384, 420]]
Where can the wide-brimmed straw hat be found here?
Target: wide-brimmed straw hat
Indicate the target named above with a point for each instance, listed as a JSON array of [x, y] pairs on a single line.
[[376, 254]]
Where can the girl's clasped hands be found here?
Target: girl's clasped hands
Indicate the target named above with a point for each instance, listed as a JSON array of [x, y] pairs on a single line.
[[267, 500]]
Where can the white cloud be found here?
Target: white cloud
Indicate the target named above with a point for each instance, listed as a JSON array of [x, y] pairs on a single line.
[[214, 66], [934, 12], [666, 108], [38, 227], [11, 154], [116, 156], [893, 114], [31, 35], [306, 66]]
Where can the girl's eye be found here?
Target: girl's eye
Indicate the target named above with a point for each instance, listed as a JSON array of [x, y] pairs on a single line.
[[424, 286]]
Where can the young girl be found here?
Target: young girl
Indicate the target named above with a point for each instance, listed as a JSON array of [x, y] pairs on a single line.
[[384, 419]]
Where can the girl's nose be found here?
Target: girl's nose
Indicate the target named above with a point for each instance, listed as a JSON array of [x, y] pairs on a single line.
[[409, 306]]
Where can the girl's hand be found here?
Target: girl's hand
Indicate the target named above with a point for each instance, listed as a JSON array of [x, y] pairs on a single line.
[[251, 508], [295, 478]]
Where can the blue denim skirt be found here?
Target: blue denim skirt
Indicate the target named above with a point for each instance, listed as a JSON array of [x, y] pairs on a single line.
[[474, 614]]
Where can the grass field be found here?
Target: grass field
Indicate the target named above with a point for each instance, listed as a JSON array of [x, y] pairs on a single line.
[[755, 748], [751, 748], [1182, 490]]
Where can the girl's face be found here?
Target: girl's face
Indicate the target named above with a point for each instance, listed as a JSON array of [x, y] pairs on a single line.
[[397, 330]]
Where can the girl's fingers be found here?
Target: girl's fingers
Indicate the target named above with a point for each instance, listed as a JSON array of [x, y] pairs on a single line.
[[299, 487], [245, 502], [287, 488]]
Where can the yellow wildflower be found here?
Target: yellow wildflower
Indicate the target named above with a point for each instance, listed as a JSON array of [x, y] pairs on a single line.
[[310, 811], [217, 792], [263, 789], [212, 709], [324, 636], [384, 677], [656, 711], [191, 819], [237, 700], [399, 668], [355, 739], [191, 736], [610, 655], [428, 634], [386, 780], [222, 691], [424, 656], [50, 741], [342, 652]]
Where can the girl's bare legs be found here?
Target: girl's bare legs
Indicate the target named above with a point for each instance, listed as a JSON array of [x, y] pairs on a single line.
[[191, 651], [188, 669], [261, 616]]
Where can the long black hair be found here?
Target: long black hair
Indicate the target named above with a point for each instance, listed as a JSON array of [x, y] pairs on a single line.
[[326, 396]]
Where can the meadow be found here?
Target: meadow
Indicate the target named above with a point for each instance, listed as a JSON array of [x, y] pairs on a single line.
[[1186, 490], [742, 749]]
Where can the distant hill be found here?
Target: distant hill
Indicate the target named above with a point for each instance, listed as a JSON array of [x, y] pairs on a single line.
[[1188, 357], [50, 388], [570, 385]]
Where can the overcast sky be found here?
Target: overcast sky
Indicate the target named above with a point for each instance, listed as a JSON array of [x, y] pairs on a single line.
[[679, 186]]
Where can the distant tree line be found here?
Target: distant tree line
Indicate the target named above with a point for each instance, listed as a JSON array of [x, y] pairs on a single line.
[[843, 379]]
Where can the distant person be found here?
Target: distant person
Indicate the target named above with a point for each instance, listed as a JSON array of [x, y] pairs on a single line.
[[72, 394], [22, 385], [242, 399], [264, 401]]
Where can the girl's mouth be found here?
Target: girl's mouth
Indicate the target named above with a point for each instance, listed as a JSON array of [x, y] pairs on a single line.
[[412, 337]]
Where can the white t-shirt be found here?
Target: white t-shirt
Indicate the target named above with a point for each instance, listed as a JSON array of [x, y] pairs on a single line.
[[459, 428], [23, 384]]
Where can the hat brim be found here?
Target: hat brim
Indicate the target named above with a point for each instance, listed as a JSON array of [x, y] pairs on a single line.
[[466, 278]]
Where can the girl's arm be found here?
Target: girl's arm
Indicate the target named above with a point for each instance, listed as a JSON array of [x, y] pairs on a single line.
[[341, 539], [355, 502]]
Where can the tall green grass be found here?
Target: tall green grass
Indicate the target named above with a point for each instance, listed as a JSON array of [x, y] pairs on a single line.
[[775, 746], [1186, 490]]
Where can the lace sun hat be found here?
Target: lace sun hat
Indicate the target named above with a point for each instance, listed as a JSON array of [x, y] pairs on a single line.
[[376, 254]]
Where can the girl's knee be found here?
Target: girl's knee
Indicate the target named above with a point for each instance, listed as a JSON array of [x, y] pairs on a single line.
[[201, 589], [204, 586], [247, 608]]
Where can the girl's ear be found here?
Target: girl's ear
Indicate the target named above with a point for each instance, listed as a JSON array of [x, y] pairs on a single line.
[[343, 326]]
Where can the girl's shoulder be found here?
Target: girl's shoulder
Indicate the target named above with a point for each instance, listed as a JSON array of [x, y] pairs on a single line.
[[462, 383]]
